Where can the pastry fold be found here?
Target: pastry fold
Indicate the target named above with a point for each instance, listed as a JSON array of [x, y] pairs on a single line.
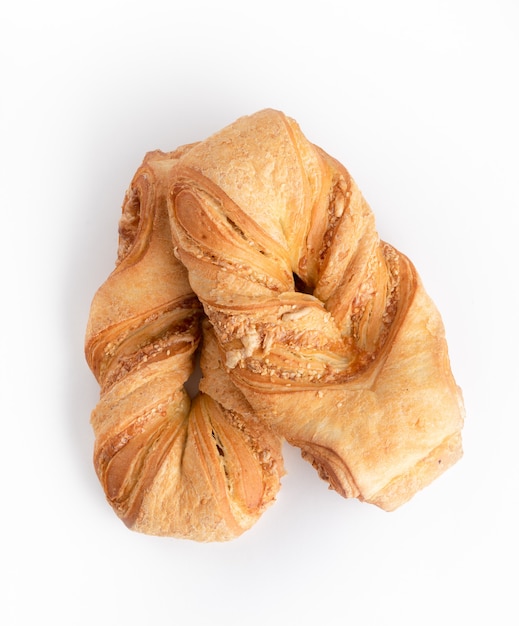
[[169, 466], [326, 330]]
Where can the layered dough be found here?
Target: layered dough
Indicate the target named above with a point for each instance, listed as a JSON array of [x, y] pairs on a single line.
[[169, 466], [324, 328], [257, 249]]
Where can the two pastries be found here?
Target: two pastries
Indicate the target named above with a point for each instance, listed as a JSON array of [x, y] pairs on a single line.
[[256, 249]]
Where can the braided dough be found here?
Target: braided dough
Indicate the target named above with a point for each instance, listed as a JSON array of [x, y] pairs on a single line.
[[325, 329], [168, 466], [313, 331]]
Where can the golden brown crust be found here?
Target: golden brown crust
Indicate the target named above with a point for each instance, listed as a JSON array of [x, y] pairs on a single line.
[[256, 248], [352, 366], [168, 466]]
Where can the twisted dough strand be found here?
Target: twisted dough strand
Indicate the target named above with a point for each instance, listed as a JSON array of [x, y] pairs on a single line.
[[168, 466], [325, 329]]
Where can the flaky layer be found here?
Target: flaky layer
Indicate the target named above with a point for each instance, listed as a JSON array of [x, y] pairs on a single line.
[[169, 466], [326, 330]]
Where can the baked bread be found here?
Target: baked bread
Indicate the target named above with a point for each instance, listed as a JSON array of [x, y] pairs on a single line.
[[325, 329], [169, 466]]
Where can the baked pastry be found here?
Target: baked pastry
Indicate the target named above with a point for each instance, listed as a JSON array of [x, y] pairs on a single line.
[[169, 466], [325, 329]]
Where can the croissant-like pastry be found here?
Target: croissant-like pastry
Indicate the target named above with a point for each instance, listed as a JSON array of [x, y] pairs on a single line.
[[325, 329], [168, 466]]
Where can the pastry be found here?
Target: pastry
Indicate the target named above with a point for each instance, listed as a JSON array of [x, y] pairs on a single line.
[[169, 466], [326, 330]]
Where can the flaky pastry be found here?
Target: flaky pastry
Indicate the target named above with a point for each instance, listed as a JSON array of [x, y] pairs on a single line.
[[169, 466], [325, 329]]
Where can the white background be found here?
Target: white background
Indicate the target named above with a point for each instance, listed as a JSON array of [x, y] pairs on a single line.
[[419, 100]]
